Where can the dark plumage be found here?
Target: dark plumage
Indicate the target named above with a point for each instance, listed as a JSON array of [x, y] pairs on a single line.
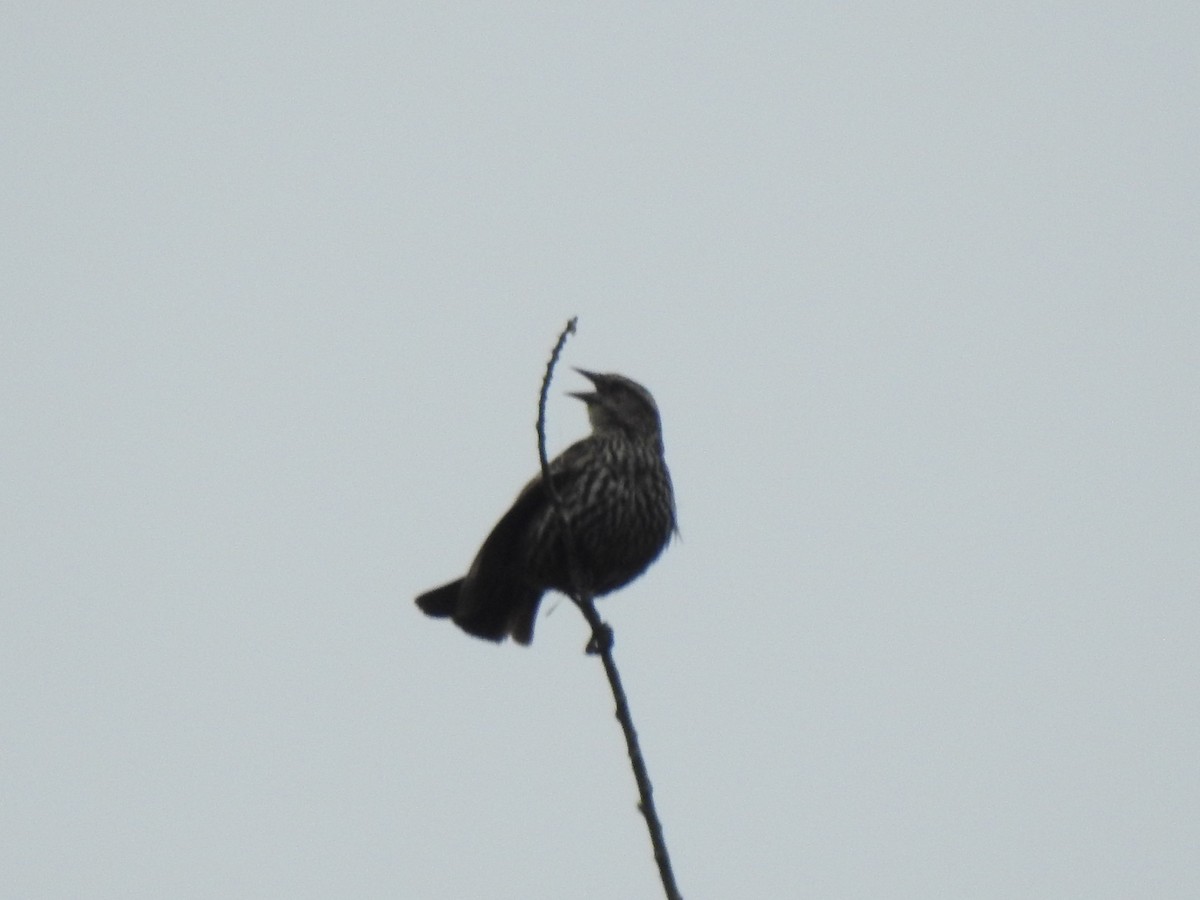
[[616, 490]]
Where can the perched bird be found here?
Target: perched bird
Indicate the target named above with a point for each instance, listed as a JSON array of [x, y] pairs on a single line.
[[616, 492]]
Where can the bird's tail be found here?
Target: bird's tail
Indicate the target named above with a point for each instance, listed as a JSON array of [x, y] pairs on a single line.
[[492, 616], [441, 602]]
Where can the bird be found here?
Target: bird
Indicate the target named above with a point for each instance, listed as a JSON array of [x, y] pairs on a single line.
[[616, 491]]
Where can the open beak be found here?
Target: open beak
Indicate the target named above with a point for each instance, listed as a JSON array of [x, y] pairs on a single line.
[[587, 396]]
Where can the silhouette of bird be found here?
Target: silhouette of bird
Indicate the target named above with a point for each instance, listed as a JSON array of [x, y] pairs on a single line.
[[616, 492]]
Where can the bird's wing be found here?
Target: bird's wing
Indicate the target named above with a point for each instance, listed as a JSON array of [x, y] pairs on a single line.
[[502, 554]]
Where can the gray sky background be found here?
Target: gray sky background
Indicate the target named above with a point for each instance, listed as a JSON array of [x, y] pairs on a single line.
[[917, 288]]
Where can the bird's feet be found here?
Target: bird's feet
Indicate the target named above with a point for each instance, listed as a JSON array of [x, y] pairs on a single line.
[[601, 640]]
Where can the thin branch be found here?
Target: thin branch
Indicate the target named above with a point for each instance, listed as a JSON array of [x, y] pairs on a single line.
[[551, 490], [601, 642]]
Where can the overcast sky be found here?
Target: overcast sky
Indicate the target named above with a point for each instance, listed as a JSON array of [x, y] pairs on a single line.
[[917, 289]]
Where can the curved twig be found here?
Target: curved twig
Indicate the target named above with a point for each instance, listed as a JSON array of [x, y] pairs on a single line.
[[601, 642]]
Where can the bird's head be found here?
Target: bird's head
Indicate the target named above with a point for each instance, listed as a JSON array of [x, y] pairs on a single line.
[[619, 404]]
